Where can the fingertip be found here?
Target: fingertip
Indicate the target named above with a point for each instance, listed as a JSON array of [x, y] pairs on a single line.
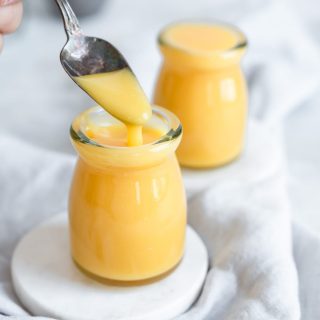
[[10, 17]]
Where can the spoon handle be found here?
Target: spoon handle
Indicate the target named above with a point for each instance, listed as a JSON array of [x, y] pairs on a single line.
[[71, 23]]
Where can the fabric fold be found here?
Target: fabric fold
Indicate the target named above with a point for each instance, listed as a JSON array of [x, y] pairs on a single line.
[[247, 231]]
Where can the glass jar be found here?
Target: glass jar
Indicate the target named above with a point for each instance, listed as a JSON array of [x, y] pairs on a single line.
[[207, 91], [127, 207]]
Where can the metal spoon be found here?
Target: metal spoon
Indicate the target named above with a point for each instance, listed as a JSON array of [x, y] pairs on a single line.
[[83, 55]]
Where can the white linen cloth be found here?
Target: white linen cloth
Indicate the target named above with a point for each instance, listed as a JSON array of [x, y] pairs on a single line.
[[245, 226]]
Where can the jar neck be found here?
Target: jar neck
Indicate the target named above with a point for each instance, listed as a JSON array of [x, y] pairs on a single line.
[[183, 61], [198, 45], [126, 157], [100, 155]]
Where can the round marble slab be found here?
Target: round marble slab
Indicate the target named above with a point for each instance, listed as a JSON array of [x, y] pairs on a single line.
[[49, 284], [251, 166]]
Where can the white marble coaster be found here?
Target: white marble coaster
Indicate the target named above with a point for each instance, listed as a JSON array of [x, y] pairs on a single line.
[[251, 166], [48, 283]]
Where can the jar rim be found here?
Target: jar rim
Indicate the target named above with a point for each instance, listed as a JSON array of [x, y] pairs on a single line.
[[171, 120], [241, 42]]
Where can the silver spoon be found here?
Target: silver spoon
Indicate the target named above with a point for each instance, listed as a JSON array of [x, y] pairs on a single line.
[[83, 55]]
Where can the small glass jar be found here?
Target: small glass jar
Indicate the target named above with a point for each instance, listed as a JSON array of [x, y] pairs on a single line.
[[127, 207], [207, 91]]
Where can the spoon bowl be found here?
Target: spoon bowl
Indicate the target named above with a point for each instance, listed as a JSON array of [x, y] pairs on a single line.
[[83, 55]]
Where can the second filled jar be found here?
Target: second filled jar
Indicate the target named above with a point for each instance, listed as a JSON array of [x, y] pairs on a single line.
[[201, 81]]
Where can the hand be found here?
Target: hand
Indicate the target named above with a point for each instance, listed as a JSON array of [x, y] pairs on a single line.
[[10, 17]]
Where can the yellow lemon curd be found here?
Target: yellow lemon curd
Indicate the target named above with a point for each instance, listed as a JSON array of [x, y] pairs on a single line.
[[202, 83], [120, 94]]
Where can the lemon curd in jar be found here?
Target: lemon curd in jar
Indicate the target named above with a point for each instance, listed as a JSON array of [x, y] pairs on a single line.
[[202, 83], [127, 207]]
